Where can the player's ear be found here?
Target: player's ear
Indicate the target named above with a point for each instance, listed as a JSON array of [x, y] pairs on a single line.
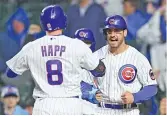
[[125, 32]]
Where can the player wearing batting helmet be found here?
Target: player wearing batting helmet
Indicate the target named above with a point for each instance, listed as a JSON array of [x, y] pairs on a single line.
[[86, 35], [53, 18], [129, 79], [56, 63], [88, 88]]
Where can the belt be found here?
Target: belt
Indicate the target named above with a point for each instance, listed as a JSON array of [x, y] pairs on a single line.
[[118, 106], [75, 96]]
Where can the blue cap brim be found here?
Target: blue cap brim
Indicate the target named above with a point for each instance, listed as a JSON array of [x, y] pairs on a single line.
[[10, 94], [114, 27]]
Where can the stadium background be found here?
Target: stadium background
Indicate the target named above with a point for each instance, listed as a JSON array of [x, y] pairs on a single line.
[[147, 32]]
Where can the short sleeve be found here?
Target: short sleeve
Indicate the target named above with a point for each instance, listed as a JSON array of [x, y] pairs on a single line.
[[19, 63], [145, 73], [87, 76], [88, 60]]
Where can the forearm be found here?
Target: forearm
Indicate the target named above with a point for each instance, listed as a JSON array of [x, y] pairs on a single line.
[[99, 71], [146, 93]]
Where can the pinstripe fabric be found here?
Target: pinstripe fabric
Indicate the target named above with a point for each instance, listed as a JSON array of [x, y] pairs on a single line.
[[111, 84], [35, 56], [58, 106]]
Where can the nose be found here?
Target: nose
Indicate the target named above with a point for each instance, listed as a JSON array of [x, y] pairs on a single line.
[[112, 34]]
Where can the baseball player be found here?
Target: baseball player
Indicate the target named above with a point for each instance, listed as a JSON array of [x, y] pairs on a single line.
[[56, 62], [88, 86], [129, 79]]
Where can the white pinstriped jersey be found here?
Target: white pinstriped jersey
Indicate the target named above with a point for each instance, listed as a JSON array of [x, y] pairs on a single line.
[[55, 63], [127, 71]]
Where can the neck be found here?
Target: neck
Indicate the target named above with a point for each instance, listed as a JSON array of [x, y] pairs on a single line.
[[133, 10], [83, 3], [53, 33], [123, 47], [9, 110]]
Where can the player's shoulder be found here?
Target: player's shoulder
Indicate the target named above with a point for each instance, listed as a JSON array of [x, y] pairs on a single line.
[[141, 59], [75, 40], [102, 52], [34, 43], [28, 46], [139, 55], [38, 40], [78, 43], [49, 37]]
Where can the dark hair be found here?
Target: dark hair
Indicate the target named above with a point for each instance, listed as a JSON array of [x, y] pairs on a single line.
[[134, 3]]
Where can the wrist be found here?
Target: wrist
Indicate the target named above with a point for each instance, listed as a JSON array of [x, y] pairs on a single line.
[[93, 93]]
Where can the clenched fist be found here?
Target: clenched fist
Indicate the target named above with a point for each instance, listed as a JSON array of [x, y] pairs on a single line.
[[127, 98]]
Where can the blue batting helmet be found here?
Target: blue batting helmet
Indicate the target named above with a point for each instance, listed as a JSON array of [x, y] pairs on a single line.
[[86, 35], [53, 18], [116, 22]]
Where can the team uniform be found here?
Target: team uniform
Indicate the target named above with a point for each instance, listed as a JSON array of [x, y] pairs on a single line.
[[56, 64], [86, 35], [127, 71], [128, 76]]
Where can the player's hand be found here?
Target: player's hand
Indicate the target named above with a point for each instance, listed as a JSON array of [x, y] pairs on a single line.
[[127, 98], [162, 9], [156, 73], [163, 106], [99, 96]]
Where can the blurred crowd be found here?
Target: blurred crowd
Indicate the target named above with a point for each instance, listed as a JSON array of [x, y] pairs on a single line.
[[19, 24]]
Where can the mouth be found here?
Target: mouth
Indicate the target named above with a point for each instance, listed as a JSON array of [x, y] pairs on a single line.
[[113, 40]]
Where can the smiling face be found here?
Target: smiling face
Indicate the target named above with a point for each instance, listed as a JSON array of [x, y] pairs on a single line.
[[116, 37]]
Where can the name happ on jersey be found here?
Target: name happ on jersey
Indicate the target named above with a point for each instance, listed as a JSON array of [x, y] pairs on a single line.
[[52, 50]]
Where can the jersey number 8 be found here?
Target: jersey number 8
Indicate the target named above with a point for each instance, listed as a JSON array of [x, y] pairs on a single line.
[[57, 71]]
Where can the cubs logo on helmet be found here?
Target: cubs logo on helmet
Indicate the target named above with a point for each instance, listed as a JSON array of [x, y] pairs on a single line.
[[86, 34], [127, 73], [116, 22], [111, 21], [83, 34]]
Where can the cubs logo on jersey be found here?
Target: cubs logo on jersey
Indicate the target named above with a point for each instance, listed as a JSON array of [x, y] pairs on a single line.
[[49, 26], [127, 73]]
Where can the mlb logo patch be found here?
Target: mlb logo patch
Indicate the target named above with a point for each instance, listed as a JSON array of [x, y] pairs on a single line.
[[49, 26], [127, 73]]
